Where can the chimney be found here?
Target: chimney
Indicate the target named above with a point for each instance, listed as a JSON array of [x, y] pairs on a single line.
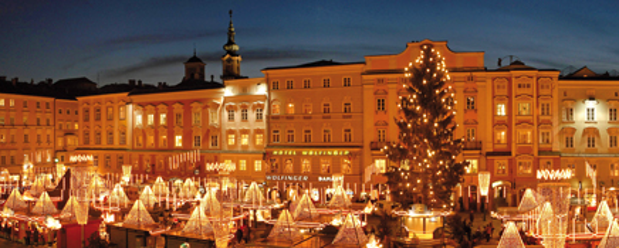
[[3, 78], [212, 78], [49, 81], [140, 83], [131, 82], [159, 85], [14, 81]]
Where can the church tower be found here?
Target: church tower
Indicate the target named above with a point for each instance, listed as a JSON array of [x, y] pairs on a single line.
[[194, 68], [231, 61]]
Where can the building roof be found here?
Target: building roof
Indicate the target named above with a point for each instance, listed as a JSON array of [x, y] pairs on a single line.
[[186, 85], [43, 89], [585, 73], [194, 59], [319, 63]]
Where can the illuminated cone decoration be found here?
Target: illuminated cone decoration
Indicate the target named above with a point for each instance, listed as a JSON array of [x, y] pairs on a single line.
[[118, 196], [340, 199], [603, 218], [15, 201], [528, 202], [254, 195], [71, 210], [611, 238], [138, 215], [188, 191], [37, 187], [44, 205], [350, 232], [511, 238], [148, 198], [210, 205], [305, 209], [284, 229], [198, 223], [160, 188]]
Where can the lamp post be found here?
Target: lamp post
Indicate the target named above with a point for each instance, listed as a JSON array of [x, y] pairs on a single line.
[[484, 186]]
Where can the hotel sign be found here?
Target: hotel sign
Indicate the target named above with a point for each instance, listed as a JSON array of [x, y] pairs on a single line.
[[81, 158], [313, 153], [286, 178]]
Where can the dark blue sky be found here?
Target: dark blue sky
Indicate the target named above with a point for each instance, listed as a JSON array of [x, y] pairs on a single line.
[[149, 40]]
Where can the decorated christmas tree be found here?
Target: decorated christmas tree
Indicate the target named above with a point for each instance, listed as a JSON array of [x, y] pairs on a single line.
[[425, 154]]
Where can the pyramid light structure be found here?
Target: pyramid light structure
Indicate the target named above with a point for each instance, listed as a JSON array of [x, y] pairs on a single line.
[[71, 210], [254, 195], [611, 238], [148, 198], [603, 217], [304, 209], [529, 201], [188, 191], [350, 232], [198, 223], [47, 181], [285, 229], [210, 205], [44, 205], [95, 187], [118, 196], [15, 201], [138, 215], [160, 187], [511, 238], [37, 187], [340, 199]]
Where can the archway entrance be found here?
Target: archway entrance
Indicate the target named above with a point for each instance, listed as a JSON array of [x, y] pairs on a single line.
[[501, 194], [473, 197]]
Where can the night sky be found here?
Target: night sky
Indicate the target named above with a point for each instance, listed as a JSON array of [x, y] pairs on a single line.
[[110, 41]]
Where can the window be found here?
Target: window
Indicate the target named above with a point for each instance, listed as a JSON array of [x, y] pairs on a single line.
[[86, 138], [612, 140], [306, 166], [500, 137], [259, 139], [231, 139], [38, 138], [347, 107], [326, 135], [473, 166], [347, 135], [381, 165], [46, 105], [275, 137], [95, 160], [108, 161], [326, 83], [307, 83], [109, 113], [612, 114], [500, 109], [380, 104], [123, 138], [97, 114], [307, 108], [288, 166], [122, 112], [178, 140], [163, 140], [230, 115], [275, 109], [545, 109], [524, 108], [569, 142], [568, 114], [1, 120], [470, 134], [47, 122], [381, 133], [346, 82], [259, 115], [163, 119], [25, 104], [2, 102], [572, 167], [38, 121], [150, 119], [325, 166], [290, 136], [547, 165], [275, 85], [25, 120], [214, 141], [38, 105], [307, 136], [243, 114], [524, 136], [590, 141], [110, 138], [11, 102], [258, 165], [614, 169], [501, 167], [590, 114], [289, 84], [544, 137], [524, 167], [197, 141], [197, 118], [243, 165], [290, 108], [179, 119], [244, 139], [86, 114], [326, 108], [470, 102], [97, 138]]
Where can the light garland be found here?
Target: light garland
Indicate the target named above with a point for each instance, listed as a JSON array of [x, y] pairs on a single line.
[[547, 174], [81, 158]]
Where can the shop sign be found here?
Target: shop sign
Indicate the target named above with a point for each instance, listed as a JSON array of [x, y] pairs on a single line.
[[286, 178], [325, 179], [81, 158]]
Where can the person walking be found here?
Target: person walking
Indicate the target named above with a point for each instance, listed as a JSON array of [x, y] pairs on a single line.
[[472, 216], [239, 235], [247, 234]]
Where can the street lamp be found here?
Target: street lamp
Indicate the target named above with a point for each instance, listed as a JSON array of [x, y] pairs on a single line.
[[484, 186]]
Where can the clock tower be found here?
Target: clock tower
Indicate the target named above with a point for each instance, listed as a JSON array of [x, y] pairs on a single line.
[[231, 61]]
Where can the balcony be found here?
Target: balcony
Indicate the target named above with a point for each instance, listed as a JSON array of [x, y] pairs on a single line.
[[375, 146], [472, 145]]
